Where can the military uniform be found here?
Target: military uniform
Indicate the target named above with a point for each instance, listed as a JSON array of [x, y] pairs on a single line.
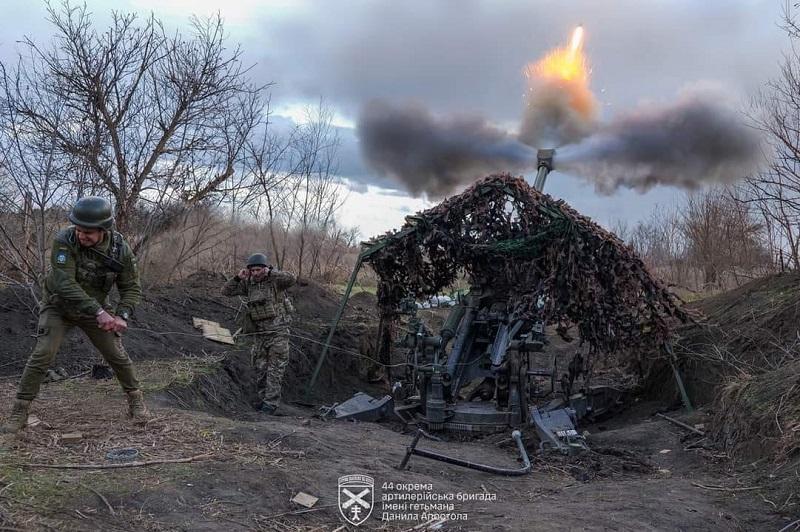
[[76, 288], [268, 318]]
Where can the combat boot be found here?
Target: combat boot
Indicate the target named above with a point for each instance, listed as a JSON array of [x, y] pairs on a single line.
[[136, 407], [268, 408], [18, 418]]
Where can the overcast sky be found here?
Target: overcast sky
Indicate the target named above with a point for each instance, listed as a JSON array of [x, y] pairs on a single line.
[[457, 56]]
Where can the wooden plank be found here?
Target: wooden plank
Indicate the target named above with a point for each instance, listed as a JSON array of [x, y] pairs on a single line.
[[71, 437]]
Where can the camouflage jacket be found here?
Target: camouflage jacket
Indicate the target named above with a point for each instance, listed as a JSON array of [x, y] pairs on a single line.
[[80, 278], [266, 299]]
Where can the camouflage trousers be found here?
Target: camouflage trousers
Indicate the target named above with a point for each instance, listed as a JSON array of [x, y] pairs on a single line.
[[51, 330], [269, 357]]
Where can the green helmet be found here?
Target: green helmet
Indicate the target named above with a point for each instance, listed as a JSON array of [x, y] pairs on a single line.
[[257, 259], [92, 211]]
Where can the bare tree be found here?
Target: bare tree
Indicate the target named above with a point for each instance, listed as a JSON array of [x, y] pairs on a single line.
[[658, 240], [709, 240], [33, 179], [722, 237], [295, 190], [155, 117], [319, 191], [775, 192], [188, 245], [272, 163]]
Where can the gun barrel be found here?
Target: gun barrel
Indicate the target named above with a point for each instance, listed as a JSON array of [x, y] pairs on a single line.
[[544, 160]]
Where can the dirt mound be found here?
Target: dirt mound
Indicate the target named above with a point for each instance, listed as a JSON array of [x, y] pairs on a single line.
[[225, 387], [762, 411], [313, 301], [743, 361], [162, 328], [758, 321], [758, 418], [363, 301], [747, 331]]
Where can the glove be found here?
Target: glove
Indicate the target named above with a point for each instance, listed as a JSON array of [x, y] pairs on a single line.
[[120, 325], [105, 321]]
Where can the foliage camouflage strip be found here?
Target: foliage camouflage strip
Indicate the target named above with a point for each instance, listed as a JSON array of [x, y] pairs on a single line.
[[502, 230]]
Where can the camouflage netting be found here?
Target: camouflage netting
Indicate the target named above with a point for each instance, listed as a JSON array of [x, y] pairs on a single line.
[[504, 232]]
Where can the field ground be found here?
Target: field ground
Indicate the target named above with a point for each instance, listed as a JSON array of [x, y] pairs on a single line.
[[240, 469]]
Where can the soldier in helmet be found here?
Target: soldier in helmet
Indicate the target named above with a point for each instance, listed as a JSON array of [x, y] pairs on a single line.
[[267, 316], [86, 260]]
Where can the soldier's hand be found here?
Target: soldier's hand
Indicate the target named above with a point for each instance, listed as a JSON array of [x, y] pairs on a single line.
[[120, 325], [244, 273], [105, 321]]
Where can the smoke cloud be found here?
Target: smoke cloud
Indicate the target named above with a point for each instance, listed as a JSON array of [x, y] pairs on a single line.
[[557, 112], [559, 106], [435, 156], [697, 139]]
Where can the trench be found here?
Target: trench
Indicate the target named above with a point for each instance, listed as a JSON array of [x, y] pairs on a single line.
[[227, 389]]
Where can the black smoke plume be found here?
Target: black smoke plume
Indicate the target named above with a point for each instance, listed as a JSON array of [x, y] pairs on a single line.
[[697, 139], [435, 156]]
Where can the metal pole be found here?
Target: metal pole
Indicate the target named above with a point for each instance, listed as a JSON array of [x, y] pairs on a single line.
[[541, 176], [679, 381], [334, 323], [681, 424], [544, 160], [365, 254]]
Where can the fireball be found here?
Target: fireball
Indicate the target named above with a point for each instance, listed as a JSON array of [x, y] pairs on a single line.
[[559, 105], [566, 63]]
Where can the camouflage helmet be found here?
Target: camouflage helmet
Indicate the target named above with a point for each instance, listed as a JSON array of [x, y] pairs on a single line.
[[257, 259], [92, 211]]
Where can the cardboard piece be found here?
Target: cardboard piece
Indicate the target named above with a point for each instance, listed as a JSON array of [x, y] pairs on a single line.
[[304, 499], [214, 331]]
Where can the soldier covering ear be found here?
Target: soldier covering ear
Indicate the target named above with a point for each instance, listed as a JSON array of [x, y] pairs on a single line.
[[268, 320]]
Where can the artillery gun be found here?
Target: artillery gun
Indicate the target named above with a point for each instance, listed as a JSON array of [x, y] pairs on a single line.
[[486, 370]]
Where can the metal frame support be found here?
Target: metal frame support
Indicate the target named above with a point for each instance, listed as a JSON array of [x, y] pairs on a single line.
[[678, 379], [516, 435], [365, 254], [335, 323]]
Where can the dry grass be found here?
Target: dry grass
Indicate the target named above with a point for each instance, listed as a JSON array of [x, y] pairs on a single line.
[[765, 408], [758, 421], [161, 374], [36, 498]]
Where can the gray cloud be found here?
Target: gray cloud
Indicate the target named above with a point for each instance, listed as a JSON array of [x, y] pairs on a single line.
[[468, 56], [457, 56], [356, 186]]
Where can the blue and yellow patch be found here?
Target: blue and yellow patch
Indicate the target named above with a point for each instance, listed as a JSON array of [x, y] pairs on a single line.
[[61, 257]]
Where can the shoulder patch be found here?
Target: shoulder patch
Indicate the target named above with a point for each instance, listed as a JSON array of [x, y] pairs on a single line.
[[61, 256]]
